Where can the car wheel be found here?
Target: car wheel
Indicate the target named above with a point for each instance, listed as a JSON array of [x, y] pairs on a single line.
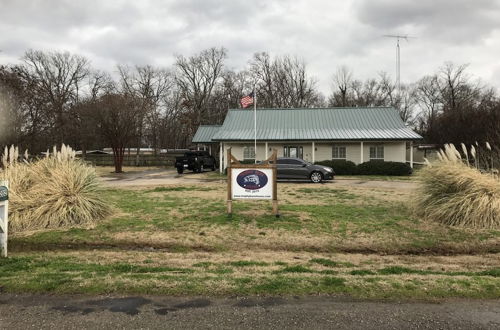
[[180, 170], [316, 177]]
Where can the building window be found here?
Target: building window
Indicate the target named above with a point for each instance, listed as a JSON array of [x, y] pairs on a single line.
[[377, 153], [249, 152], [338, 152]]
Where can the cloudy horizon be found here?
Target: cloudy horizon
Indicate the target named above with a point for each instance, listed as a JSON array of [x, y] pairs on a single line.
[[326, 34]]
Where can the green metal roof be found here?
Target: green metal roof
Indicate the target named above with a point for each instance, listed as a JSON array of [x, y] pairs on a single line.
[[205, 133], [370, 123]]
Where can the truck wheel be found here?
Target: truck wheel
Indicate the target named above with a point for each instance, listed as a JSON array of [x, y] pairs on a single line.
[[180, 170]]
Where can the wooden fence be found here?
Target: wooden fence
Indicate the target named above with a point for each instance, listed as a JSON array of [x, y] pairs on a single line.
[[166, 160]]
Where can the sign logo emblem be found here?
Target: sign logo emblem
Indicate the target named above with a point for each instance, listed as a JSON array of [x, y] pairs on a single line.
[[252, 179], [4, 193]]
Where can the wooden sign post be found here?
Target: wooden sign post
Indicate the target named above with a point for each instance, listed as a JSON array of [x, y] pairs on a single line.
[[252, 181], [4, 217]]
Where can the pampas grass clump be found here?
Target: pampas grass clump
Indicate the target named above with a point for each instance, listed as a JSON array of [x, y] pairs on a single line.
[[457, 194], [57, 191]]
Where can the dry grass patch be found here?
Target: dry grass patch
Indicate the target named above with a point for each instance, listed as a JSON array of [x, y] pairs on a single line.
[[57, 191], [459, 195], [246, 272]]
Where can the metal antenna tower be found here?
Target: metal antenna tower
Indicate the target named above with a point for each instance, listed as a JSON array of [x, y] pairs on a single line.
[[398, 56]]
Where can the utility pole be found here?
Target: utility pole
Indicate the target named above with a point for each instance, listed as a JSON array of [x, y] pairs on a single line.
[[398, 37]]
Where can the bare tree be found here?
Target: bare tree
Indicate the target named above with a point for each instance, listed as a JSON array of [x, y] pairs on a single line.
[[283, 82], [227, 94], [24, 109], [428, 99], [57, 77], [83, 126], [100, 82], [117, 117], [152, 87], [12, 116], [457, 91], [197, 77], [262, 70], [342, 81]]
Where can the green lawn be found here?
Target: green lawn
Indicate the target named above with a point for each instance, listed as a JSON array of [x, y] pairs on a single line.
[[178, 240]]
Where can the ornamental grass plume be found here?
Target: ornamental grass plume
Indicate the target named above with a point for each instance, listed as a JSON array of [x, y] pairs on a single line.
[[456, 194], [57, 191], [464, 150]]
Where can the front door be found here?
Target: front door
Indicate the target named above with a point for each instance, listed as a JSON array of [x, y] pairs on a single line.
[[293, 151]]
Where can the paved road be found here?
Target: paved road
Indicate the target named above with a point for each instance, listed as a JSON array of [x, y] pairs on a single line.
[[83, 312]]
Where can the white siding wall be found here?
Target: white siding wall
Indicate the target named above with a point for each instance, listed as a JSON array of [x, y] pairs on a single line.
[[393, 151], [352, 150], [237, 150]]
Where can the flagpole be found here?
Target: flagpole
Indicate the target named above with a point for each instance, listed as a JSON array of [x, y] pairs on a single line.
[[255, 120]]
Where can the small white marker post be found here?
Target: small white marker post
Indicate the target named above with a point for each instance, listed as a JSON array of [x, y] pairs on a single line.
[[4, 217]]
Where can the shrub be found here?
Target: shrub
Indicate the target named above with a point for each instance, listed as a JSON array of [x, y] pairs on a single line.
[[340, 167], [456, 194], [376, 167], [54, 192]]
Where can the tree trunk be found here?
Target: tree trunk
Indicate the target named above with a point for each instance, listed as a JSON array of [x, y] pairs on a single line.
[[118, 159]]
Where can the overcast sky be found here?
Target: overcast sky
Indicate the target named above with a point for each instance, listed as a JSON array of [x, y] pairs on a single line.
[[325, 33]]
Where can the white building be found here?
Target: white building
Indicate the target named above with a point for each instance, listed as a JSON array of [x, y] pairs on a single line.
[[355, 134]]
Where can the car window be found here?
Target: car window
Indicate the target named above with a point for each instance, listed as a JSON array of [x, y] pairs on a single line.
[[290, 161], [295, 162]]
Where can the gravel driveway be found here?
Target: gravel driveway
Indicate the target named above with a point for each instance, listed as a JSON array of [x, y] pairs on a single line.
[[158, 177]]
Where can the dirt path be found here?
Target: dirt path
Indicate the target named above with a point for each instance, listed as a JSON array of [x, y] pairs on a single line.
[[324, 312]]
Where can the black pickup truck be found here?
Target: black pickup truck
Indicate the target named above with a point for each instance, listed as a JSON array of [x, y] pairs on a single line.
[[195, 161]]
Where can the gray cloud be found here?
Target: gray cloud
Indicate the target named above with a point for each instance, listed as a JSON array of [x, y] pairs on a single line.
[[451, 21], [325, 33]]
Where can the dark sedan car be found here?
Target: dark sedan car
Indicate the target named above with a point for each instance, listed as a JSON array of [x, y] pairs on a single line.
[[296, 168]]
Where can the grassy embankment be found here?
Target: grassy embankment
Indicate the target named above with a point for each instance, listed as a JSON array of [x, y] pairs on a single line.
[[354, 240]]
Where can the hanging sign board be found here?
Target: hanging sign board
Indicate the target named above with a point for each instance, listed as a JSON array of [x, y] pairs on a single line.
[[254, 181]]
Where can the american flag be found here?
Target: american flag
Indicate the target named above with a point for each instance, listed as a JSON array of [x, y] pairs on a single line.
[[247, 100]]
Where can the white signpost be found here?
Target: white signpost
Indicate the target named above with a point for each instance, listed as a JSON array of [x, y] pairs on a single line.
[[4, 217]]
